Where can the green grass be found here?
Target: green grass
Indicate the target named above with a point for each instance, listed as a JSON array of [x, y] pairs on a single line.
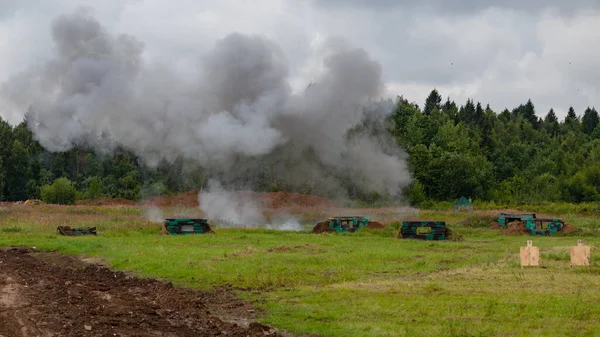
[[363, 284]]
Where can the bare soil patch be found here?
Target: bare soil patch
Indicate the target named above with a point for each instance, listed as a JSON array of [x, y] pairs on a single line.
[[49, 294], [106, 202], [515, 228], [518, 228], [274, 200], [375, 225], [568, 228], [495, 225], [322, 227]]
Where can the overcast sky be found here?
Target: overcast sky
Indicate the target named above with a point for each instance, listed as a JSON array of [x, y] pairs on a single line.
[[497, 52]]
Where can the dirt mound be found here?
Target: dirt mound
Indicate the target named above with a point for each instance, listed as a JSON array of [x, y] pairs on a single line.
[[41, 298], [274, 200], [285, 199], [568, 228], [322, 227], [515, 228], [518, 228], [375, 225], [494, 225], [187, 199], [106, 202]]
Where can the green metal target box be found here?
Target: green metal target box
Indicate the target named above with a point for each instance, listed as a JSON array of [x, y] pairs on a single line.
[[533, 224], [187, 226], [423, 230], [348, 223]]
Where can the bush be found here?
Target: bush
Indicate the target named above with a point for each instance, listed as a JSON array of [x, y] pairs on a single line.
[[95, 188], [415, 194], [60, 192]]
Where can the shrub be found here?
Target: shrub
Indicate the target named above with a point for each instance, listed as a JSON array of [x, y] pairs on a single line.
[[415, 194], [60, 192], [95, 188]]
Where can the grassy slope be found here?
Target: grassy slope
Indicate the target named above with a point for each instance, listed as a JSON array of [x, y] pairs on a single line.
[[366, 284]]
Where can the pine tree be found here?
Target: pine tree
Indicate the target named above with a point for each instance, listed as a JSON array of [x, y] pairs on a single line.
[[6, 140], [487, 127], [16, 179], [1, 180], [450, 109], [467, 113], [505, 115], [590, 120], [528, 111], [478, 116], [571, 122], [551, 123], [432, 102]]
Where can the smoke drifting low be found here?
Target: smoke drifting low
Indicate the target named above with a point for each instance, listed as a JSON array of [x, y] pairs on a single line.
[[96, 91], [220, 204], [234, 210]]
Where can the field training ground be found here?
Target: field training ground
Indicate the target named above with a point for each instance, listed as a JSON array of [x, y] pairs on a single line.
[[131, 280]]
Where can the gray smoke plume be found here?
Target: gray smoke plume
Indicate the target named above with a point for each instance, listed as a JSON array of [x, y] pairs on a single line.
[[154, 214], [229, 208], [234, 210], [239, 116], [284, 222]]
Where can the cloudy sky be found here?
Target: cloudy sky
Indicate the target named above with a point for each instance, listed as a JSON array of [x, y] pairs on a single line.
[[501, 52]]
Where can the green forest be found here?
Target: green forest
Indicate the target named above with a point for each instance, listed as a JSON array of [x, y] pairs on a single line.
[[511, 156]]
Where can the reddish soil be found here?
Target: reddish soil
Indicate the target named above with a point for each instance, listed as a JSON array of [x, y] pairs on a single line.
[[285, 199], [515, 228], [266, 200], [322, 227], [48, 294], [106, 202], [518, 228], [568, 228], [494, 225], [187, 199], [375, 225]]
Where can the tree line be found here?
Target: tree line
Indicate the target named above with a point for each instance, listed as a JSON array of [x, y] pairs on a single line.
[[454, 150], [27, 169], [509, 157]]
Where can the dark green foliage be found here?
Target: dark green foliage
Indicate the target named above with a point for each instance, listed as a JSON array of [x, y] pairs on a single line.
[[60, 192], [94, 187], [527, 111], [510, 157], [17, 177], [551, 123], [590, 120], [1, 179], [415, 193], [470, 150], [432, 103], [571, 122]]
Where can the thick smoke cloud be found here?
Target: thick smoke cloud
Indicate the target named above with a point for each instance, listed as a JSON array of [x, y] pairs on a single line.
[[97, 91], [225, 206]]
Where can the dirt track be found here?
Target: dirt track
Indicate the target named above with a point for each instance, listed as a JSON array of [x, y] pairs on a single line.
[[48, 294]]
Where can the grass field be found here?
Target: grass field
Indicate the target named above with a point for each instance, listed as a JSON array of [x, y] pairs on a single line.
[[363, 284]]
